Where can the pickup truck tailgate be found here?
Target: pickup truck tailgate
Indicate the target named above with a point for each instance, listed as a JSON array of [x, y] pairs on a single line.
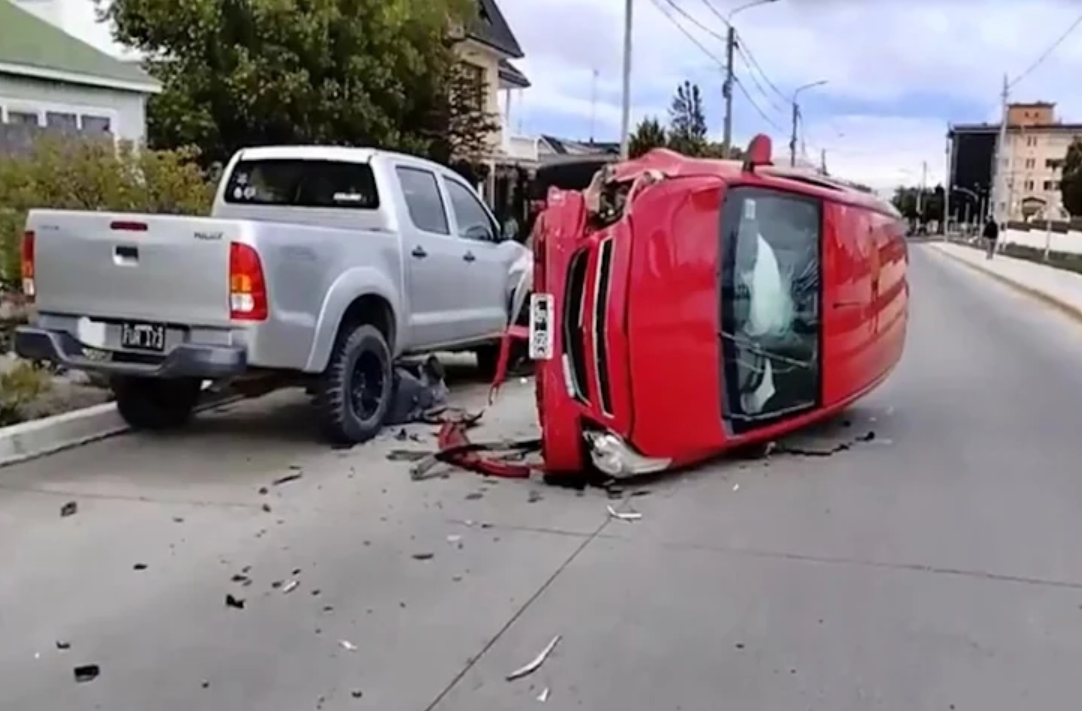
[[160, 268]]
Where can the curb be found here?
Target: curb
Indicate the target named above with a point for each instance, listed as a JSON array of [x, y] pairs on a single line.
[[1070, 310], [48, 435]]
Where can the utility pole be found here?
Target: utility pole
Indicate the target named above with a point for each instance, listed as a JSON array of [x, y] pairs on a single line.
[[920, 190], [823, 160], [727, 89], [593, 106], [997, 166], [625, 112], [792, 138], [949, 183]]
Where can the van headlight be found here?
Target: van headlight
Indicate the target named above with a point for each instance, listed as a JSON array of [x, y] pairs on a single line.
[[615, 457]]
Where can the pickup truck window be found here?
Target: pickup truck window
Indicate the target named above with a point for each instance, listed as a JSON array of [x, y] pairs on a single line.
[[303, 183], [473, 220], [423, 200]]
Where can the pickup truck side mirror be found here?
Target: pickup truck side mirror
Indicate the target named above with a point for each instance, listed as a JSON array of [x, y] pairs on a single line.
[[479, 233], [509, 231]]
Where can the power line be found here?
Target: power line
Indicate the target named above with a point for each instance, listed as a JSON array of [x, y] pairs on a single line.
[[716, 12], [739, 84], [743, 46], [695, 21], [1047, 52], [758, 85]]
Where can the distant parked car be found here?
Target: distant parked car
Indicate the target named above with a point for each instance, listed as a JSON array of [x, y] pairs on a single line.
[[318, 266]]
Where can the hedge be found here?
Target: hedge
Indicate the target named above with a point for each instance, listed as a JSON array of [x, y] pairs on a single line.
[[90, 174]]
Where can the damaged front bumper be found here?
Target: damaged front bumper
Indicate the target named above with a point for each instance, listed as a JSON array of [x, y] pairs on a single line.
[[612, 456]]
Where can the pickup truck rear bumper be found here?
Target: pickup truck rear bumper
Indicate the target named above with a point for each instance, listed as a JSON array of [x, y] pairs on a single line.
[[187, 360]]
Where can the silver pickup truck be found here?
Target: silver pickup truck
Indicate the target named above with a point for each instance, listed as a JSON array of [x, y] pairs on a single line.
[[317, 267]]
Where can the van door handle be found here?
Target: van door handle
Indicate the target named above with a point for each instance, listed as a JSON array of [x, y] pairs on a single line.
[[468, 256], [125, 255], [419, 252]]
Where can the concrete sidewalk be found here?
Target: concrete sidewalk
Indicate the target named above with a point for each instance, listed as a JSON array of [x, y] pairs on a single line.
[[1057, 287]]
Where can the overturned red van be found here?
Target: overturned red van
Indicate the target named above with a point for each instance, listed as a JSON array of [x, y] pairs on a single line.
[[682, 307]]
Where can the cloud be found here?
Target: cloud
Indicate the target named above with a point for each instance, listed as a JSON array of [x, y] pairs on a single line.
[[897, 73]]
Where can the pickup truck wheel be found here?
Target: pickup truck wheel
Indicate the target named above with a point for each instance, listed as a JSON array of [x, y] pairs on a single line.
[[488, 357], [155, 403], [356, 390]]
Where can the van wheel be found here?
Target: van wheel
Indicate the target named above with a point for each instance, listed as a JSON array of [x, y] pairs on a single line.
[[355, 392], [156, 403]]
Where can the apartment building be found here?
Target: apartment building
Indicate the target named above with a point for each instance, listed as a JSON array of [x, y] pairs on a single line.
[[1030, 169]]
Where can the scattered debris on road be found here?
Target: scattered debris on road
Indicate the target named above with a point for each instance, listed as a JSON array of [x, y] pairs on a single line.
[[624, 515], [289, 586], [87, 672], [347, 645], [234, 602], [139, 566], [424, 556], [62, 645], [69, 509], [536, 662], [534, 496], [418, 389], [544, 695], [456, 449], [286, 479]]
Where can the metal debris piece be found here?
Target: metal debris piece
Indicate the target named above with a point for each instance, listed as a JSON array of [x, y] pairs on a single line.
[[286, 479], [240, 578], [69, 509], [624, 515], [347, 645], [423, 556], [139, 566], [544, 695], [407, 455], [289, 586], [234, 602], [62, 645], [87, 672], [536, 663]]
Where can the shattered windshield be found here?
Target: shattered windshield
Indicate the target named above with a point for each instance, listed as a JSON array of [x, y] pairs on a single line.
[[770, 305]]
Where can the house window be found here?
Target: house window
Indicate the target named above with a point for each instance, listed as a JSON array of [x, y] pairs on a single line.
[[475, 80], [1029, 185], [96, 124], [1053, 163], [56, 119], [1048, 185], [1031, 162], [1031, 141], [27, 118]]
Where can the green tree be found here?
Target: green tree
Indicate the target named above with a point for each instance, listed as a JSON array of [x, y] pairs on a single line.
[[1071, 184], [465, 125], [687, 121], [905, 200], [648, 135], [244, 72]]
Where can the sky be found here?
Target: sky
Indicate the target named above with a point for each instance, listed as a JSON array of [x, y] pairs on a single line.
[[896, 72]]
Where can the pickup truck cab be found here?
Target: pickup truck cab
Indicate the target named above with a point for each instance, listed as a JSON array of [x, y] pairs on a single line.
[[684, 307], [318, 266]]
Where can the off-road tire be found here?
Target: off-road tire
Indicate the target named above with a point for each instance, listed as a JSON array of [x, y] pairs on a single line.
[[339, 419], [156, 403]]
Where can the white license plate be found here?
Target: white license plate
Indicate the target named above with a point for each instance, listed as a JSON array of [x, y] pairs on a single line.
[[541, 326]]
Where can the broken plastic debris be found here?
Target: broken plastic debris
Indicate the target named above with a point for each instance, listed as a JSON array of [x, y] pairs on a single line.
[[234, 602], [536, 663], [69, 509], [624, 515], [423, 556], [62, 645], [289, 586], [286, 479], [87, 672], [736, 487], [544, 695], [347, 645], [454, 538], [139, 566]]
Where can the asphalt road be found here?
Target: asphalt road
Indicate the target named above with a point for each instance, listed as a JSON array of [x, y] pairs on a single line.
[[937, 566]]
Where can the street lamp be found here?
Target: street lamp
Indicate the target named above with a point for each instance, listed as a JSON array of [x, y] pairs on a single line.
[[730, 48], [625, 109], [796, 116]]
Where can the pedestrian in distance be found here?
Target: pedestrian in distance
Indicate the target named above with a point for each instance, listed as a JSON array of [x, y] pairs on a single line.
[[990, 235]]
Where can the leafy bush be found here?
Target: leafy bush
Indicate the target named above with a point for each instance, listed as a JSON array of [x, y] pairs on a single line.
[[20, 385], [91, 174]]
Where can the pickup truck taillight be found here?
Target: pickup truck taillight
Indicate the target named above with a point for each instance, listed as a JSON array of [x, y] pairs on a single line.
[[247, 288], [29, 289]]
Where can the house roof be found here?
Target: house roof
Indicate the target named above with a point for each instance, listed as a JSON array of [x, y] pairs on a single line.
[[513, 75], [491, 28], [563, 146], [978, 128], [31, 47]]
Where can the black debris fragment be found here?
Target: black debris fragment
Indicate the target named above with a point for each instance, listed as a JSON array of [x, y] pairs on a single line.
[[407, 455], [424, 556], [239, 578], [86, 672], [276, 584], [474, 496], [295, 468], [62, 645], [266, 508], [139, 566], [534, 496], [417, 390], [69, 509], [178, 519], [402, 435], [867, 436], [739, 645], [205, 684], [357, 693], [234, 602], [286, 479], [263, 491]]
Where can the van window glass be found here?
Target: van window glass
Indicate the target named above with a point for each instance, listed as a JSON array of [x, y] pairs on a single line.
[[770, 314], [423, 200], [473, 220], [295, 182]]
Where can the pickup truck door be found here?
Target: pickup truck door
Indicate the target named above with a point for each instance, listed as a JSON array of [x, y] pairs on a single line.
[[487, 261], [434, 269]]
